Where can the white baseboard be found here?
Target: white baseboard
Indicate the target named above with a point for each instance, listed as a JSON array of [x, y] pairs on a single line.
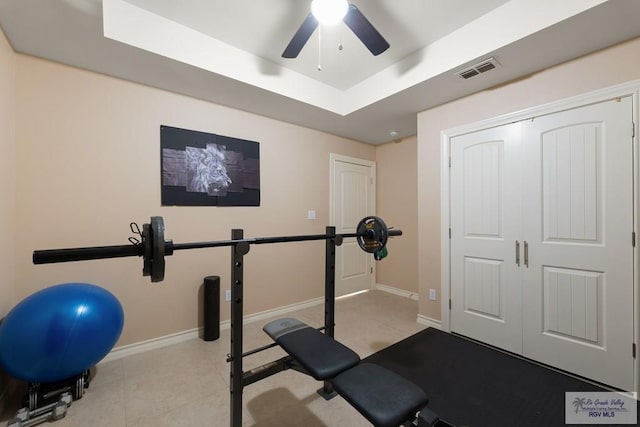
[[423, 320], [277, 311], [396, 291], [152, 344], [427, 321], [167, 340]]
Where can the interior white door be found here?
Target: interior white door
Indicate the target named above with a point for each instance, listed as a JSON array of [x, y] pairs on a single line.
[[578, 211], [485, 236], [352, 200]]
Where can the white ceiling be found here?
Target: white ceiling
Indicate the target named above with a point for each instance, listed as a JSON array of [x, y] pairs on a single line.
[[228, 52], [265, 31]]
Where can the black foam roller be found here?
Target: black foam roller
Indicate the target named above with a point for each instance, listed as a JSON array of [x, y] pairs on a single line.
[[211, 308]]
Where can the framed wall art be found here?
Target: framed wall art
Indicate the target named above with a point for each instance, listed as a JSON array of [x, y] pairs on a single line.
[[205, 169]]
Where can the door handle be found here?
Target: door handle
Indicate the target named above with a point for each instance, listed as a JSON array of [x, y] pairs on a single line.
[[517, 253], [526, 254]]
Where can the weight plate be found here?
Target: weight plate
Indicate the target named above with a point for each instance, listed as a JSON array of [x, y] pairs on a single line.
[[157, 245], [147, 254], [372, 234]]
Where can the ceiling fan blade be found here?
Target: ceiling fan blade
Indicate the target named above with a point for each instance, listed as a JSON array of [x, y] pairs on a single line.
[[366, 32], [301, 36]]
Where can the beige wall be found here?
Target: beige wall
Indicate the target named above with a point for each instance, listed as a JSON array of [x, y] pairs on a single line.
[[397, 205], [612, 66], [7, 174], [7, 190], [89, 163]]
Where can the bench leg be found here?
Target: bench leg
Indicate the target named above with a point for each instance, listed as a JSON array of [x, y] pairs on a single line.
[[327, 392], [427, 418]]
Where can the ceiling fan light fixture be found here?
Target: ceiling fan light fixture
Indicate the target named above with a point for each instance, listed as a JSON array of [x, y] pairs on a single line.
[[329, 12]]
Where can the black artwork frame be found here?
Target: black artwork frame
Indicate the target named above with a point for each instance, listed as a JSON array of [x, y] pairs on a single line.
[[205, 169]]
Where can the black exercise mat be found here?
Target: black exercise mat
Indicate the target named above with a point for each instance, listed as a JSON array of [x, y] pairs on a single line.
[[469, 384]]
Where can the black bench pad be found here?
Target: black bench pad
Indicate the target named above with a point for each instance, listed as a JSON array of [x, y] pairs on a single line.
[[320, 355], [383, 397]]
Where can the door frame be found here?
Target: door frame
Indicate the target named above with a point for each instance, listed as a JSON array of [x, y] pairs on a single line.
[[333, 159], [631, 89]]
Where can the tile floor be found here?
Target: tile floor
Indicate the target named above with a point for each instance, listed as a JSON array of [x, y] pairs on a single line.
[[187, 384]]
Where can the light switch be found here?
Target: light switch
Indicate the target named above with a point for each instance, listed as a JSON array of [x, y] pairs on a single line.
[[311, 214]]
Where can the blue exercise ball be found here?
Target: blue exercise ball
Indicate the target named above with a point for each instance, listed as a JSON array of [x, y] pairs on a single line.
[[59, 332]]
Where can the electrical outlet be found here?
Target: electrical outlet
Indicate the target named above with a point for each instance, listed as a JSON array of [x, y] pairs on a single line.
[[432, 294], [227, 295]]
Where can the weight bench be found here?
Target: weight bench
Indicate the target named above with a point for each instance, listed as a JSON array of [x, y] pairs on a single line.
[[383, 397]]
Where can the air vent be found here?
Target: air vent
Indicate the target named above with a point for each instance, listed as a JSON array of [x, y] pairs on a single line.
[[479, 68], [467, 74], [486, 66]]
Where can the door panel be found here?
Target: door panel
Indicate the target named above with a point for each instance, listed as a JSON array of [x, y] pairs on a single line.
[[352, 201], [573, 302], [570, 184], [484, 287], [485, 222], [578, 211]]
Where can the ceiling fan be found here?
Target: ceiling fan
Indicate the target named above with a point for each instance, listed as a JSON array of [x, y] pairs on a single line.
[[330, 12]]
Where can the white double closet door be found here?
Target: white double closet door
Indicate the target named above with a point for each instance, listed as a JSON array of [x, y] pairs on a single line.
[[541, 244]]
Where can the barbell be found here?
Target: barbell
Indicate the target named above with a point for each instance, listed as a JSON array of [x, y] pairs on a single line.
[[371, 234]]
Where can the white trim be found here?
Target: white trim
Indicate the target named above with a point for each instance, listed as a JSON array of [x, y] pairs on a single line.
[[427, 321], [276, 312], [625, 89], [593, 97], [349, 159], [444, 232], [179, 337], [152, 344], [396, 291], [636, 228]]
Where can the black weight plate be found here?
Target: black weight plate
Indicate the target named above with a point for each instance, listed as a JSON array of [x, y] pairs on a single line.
[[372, 234], [157, 244], [147, 255]]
